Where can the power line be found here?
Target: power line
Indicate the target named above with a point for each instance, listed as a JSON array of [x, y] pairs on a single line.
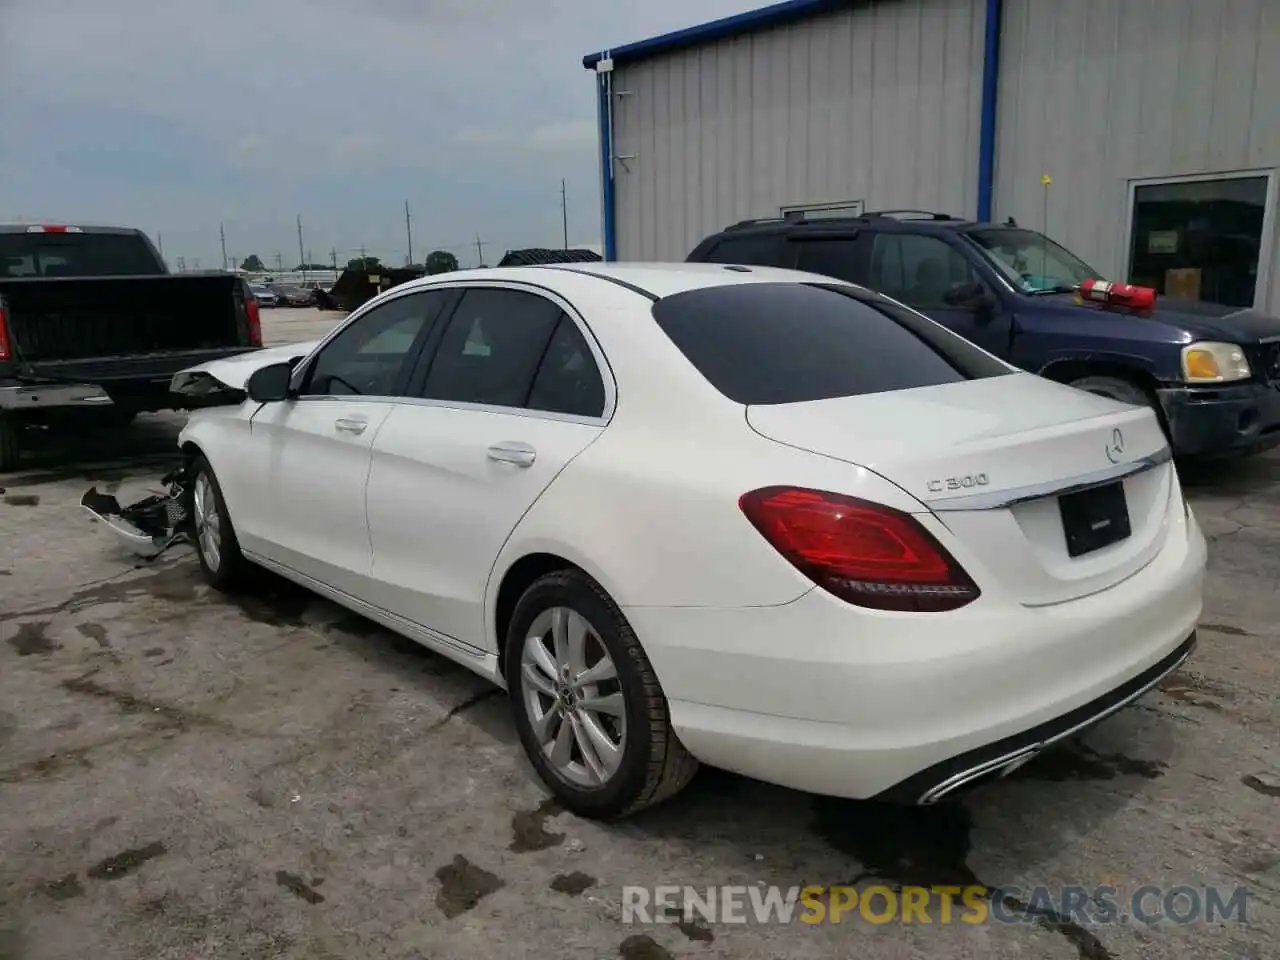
[[302, 259], [408, 229], [564, 212]]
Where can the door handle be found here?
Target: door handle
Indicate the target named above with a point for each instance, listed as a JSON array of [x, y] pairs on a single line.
[[512, 451], [350, 425]]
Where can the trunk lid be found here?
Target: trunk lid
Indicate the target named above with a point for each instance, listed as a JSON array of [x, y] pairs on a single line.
[[991, 459]]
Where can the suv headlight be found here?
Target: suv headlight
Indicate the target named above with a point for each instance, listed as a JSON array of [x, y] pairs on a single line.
[[1214, 363]]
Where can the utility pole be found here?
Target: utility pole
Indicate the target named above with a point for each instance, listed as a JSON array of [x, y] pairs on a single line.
[[279, 262], [302, 258], [195, 265], [408, 229], [564, 212], [182, 265], [479, 251], [222, 235], [334, 255], [363, 258]]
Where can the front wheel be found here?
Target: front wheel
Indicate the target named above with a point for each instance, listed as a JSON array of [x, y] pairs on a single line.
[[1126, 391], [215, 539], [588, 707]]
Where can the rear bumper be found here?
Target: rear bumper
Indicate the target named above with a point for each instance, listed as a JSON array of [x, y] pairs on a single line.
[[1221, 422], [817, 697]]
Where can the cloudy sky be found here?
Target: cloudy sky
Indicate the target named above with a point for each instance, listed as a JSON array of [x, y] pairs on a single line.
[[177, 115]]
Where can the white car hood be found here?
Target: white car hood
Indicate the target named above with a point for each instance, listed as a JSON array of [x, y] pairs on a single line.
[[234, 372]]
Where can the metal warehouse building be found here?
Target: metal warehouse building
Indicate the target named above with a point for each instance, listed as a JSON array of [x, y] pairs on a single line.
[[1156, 123]]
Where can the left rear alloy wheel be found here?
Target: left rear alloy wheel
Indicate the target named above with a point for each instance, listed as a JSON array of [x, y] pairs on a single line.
[[588, 706]]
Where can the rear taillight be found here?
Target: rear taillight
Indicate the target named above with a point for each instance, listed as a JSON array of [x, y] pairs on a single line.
[[865, 553], [6, 350], [255, 321]]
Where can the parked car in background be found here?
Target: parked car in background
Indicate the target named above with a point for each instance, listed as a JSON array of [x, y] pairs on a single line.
[[288, 295], [265, 296], [1210, 372], [93, 327], [736, 515]]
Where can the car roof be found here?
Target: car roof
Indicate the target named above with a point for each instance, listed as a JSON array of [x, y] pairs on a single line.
[[935, 223], [652, 280]]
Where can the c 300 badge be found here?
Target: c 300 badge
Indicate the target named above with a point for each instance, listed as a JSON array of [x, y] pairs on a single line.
[[968, 482]]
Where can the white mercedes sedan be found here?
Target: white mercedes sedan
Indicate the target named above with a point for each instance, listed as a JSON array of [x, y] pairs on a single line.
[[748, 517]]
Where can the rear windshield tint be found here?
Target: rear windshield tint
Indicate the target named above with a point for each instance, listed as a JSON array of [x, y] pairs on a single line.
[[767, 343], [75, 255]]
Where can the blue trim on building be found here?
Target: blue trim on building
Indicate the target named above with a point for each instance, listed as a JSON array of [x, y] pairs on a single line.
[[608, 230], [990, 93], [772, 16]]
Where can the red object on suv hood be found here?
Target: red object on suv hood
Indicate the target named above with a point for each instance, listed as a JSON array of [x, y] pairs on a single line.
[[1124, 295]]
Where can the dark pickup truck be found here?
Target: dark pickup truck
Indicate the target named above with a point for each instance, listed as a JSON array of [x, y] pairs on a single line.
[[93, 327], [1211, 372]]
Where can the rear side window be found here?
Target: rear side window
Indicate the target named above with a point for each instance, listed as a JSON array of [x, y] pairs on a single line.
[[833, 258], [766, 343], [760, 250], [491, 350]]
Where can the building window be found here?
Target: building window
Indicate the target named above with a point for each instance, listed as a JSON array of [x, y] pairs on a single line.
[[1202, 239]]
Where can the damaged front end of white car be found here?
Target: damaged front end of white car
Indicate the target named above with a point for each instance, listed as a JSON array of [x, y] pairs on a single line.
[[153, 524]]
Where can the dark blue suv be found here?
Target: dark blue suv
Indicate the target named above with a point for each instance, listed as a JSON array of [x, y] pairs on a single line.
[[1211, 372]]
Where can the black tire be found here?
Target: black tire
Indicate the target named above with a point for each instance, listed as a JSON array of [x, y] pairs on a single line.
[[1126, 391], [654, 766], [10, 442], [227, 572]]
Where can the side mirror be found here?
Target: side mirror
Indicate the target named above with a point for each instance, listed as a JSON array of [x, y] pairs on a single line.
[[971, 296], [270, 384]]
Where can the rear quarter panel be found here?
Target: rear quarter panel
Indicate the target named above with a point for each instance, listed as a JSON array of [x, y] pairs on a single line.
[[653, 516]]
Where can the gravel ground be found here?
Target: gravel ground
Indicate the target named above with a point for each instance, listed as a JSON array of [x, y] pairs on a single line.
[[187, 776]]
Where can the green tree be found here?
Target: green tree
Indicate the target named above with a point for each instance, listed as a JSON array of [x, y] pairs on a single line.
[[364, 263], [441, 261], [253, 263]]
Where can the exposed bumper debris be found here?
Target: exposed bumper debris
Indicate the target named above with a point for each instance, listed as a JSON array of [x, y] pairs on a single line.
[[151, 525]]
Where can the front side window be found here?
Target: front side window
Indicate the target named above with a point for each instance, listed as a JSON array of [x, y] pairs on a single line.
[[1031, 261], [769, 343], [368, 357], [916, 269]]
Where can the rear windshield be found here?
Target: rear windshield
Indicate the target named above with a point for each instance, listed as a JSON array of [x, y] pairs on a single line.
[[75, 255], [767, 343]]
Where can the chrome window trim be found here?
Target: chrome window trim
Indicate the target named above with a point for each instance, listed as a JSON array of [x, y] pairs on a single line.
[[1051, 488], [603, 368]]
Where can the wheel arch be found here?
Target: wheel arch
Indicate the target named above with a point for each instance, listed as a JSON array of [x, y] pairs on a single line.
[[520, 571], [1069, 369]]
